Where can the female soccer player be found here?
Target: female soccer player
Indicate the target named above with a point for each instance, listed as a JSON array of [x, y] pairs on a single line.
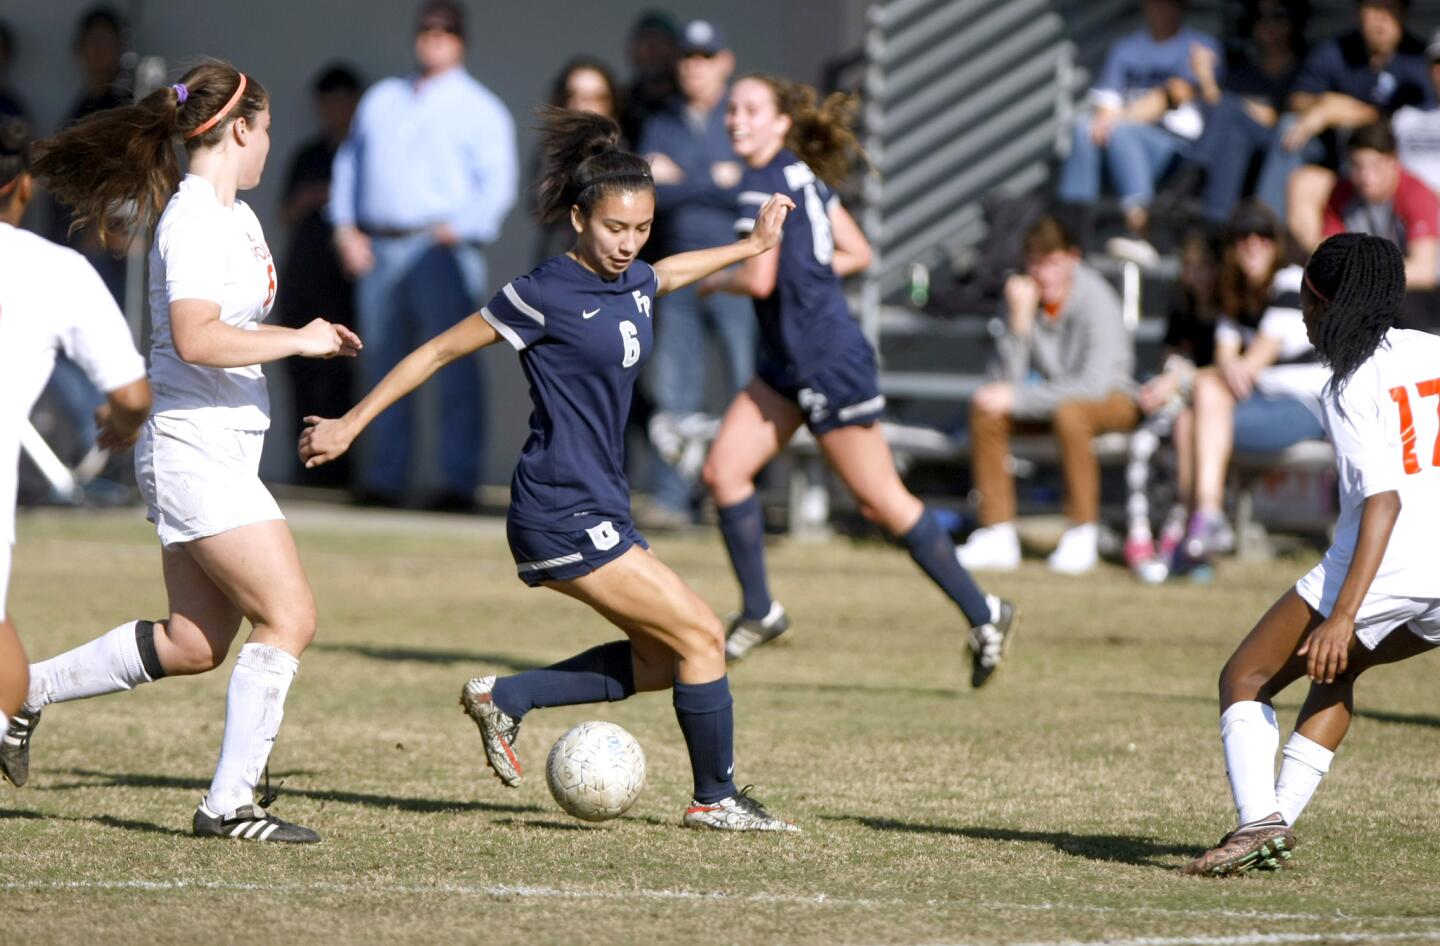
[[581, 322], [1377, 577], [816, 367], [51, 300], [227, 553]]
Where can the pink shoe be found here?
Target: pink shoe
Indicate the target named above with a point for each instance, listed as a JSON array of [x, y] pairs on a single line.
[[1138, 549], [1144, 562]]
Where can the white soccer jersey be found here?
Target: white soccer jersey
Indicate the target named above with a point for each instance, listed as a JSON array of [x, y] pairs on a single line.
[[1385, 427], [204, 250], [51, 300]]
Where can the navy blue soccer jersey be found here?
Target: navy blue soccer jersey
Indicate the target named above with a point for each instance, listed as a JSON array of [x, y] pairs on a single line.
[[583, 341], [805, 319]]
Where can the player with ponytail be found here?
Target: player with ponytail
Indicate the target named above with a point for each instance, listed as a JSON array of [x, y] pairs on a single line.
[[582, 323], [1376, 580], [816, 367], [227, 554]]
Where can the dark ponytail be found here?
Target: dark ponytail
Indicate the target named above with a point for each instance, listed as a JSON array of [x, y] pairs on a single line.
[[584, 162], [1360, 281], [14, 156], [117, 168], [822, 131]]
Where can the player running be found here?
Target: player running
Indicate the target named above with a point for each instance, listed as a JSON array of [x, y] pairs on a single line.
[[1377, 577], [227, 552], [816, 366], [51, 301], [582, 325]]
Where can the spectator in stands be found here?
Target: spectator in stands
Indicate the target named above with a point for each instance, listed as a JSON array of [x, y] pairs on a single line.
[[1242, 113], [1417, 130], [1382, 199], [313, 283], [1066, 364], [1263, 392], [654, 53], [10, 103], [1144, 118], [1165, 401], [697, 179], [1354, 80], [417, 193], [584, 84]]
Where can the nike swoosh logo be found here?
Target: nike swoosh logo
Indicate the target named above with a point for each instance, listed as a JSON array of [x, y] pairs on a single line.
[[590, 315]]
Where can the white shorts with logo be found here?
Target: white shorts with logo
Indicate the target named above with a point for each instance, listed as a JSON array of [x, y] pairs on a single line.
[[1379, 613], [200, 480], [6, 551]]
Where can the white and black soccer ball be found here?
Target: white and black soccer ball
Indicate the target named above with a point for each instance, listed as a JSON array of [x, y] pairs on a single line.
[[596, 771]]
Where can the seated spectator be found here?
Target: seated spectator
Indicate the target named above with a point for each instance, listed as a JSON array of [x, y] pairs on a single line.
[[10, 103], [1382, 199], [1349, 82], [1263, 392], [1144, 119], [1065, 365], [1165, 401], [1417, 130], [1242, 113], [585, 85]]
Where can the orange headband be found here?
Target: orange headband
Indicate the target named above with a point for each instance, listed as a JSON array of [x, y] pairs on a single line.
[[239, 91], [1318, 294]]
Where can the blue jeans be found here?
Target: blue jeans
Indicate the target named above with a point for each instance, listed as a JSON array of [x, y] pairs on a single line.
[[1281, 162], [1268, 423], [1226, 150], [1136, 157], [416, 291], [676, 374]]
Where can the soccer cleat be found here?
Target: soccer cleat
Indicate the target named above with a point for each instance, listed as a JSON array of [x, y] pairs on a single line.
[[738, 812], [498, 731], [15, 747], [745, 634], [250, 823], [990, 642], [1265, 844]]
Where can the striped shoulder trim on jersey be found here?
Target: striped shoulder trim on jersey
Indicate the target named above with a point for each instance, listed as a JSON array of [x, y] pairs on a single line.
[[506, 332], [744, 225], [522, 305], [753, 197], [570, 559]]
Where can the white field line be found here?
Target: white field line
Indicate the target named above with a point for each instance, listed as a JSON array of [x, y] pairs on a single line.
[[521, 892], [1251, 939]]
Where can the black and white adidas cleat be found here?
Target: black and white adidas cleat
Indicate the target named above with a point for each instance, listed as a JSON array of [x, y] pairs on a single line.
[[15, 747], [745, 634], [250, 823], [989, 643]]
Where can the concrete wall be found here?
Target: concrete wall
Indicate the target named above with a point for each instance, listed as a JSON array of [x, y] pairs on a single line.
[[515, 49]]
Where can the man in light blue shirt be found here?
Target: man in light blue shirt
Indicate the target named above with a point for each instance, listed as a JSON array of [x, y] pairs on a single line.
[[425, 179]]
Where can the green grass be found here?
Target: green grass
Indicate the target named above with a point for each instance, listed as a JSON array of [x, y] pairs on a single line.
[[1055, 805]]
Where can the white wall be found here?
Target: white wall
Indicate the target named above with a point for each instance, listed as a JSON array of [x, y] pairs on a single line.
[[515, 49]]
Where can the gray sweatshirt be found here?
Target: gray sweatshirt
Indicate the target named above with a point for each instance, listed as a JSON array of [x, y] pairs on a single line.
[[1084, 355]]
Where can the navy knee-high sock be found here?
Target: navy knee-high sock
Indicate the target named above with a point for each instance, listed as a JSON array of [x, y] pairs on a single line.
[[743, 526], [707, 719], [931, 548], [600, 674]]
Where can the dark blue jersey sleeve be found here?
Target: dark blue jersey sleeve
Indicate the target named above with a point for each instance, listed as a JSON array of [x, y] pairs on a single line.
[[517, 312]]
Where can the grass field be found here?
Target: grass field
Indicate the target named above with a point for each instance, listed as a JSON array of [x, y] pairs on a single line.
[[1054, 806]]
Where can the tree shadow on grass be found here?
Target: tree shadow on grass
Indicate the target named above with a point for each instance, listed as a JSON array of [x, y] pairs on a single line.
[[398, 802], [1298, 693], [1403, 719], [426, 656], [791, 686], [1115, 848]]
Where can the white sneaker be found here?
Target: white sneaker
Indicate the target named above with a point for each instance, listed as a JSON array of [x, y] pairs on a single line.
[[1078, 551], [991, 548]]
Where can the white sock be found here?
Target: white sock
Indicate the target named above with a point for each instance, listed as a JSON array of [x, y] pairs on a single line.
[[108, 664], [254, 706], [1305, 764], [993, 603], [1251, 736]]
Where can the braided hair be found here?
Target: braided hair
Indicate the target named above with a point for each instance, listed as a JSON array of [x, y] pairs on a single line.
[[1360, 281]]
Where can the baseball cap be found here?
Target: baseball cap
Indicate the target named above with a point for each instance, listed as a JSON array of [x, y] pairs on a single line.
[[701, 37], [441, 15]]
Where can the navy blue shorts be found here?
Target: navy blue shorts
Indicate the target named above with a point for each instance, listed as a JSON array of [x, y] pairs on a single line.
[[842, 392], [542, 556]]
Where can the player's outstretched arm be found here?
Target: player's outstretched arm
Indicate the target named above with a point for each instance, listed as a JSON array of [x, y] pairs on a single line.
[[1328, 646], [201, 338], [324, 439], [682, 269]]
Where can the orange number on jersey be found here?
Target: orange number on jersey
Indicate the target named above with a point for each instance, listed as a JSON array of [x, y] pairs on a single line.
[[1401, 397], [1431, 388], [270, 272]]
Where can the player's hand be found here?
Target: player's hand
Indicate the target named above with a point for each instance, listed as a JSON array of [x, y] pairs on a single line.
[[323, 439], [112, 435], [1327, 649], [322, 339], [356, 253], [770, 221]]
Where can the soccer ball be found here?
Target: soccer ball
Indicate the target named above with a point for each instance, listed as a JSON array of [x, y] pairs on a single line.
[[596, 771]]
